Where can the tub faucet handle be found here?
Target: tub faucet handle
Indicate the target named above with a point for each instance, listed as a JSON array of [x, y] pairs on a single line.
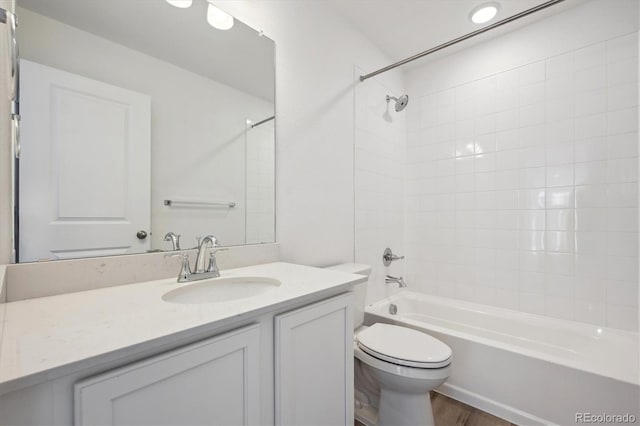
[[388, 257]]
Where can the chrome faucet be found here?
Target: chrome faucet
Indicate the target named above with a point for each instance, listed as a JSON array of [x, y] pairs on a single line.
[[202, 252], [200, 272], [398, 280], [175, 240]]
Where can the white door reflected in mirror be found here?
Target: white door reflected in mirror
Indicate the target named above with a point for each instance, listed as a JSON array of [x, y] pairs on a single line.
[[84, 167]]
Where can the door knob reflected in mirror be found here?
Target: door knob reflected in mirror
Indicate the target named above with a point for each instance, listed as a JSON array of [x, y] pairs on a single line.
[[142, 234]]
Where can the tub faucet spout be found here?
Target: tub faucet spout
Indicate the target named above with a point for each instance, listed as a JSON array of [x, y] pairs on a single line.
[[398, 280]]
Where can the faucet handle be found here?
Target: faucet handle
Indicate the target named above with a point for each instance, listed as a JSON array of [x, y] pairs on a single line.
[[213, 264], [212, 268], [388, 257], [185, 268]]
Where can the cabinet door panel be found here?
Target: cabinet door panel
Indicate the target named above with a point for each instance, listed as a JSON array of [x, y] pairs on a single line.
[[314, 364], [214, 382]]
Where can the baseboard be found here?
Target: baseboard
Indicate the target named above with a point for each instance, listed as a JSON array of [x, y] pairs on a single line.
[[492, 407]]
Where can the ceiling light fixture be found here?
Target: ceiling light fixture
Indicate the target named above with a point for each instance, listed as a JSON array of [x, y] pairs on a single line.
[[484, 12], [218, 18], [182, 4]]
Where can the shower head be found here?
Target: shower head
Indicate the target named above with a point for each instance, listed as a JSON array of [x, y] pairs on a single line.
[[401, 102]]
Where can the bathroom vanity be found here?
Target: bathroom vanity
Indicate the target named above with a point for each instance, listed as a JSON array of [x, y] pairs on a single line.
[[124, 355]]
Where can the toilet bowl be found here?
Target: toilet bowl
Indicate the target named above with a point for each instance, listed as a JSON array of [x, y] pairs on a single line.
[[407, 364], [396, 367]]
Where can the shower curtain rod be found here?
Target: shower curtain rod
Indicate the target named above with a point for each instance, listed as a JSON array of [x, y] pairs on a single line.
[[263, 121], [462, 38]]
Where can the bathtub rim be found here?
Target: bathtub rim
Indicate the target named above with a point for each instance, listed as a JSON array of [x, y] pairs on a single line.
[[378, 309]]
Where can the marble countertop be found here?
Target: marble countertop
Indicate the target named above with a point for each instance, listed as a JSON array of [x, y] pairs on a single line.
[[48, 337]]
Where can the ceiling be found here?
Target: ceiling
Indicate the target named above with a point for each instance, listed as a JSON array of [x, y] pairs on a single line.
[[239, 57], [402, 28], [242, 59]]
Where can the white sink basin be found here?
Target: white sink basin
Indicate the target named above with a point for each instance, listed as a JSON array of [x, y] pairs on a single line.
[[218, 290]]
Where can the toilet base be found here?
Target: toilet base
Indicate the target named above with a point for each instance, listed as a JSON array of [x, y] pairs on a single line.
[[404, 409], [403, 392]]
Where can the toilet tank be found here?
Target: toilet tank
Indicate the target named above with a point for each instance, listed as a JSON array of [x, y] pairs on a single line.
[[359, 290]]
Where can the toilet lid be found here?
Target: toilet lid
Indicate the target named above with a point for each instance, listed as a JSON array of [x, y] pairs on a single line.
[[404, 346]]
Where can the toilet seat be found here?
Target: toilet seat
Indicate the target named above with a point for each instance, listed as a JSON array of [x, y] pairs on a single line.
[[400, 370], [403, 346]]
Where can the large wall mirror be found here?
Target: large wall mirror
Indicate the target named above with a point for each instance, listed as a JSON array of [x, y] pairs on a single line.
[[142, 118]]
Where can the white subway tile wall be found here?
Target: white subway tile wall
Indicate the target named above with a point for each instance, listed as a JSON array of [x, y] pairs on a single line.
[[380, 149], [260, 211], [522, 187]]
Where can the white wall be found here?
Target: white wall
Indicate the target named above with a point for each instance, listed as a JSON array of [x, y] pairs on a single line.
[[261, 164], [523, 174], [315, 55], [197, 126]]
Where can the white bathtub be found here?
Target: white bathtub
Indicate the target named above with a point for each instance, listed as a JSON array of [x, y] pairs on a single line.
[[525, 368]]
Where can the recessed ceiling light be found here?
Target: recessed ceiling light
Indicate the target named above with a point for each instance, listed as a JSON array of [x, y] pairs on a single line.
[[484, 12], [182, 4], [218, 18]]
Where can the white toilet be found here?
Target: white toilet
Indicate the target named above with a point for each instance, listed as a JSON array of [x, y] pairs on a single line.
[[395, 367]]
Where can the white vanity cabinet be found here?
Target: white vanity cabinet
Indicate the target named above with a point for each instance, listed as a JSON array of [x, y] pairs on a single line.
[[213, 382], [292, 365], [314, 364]]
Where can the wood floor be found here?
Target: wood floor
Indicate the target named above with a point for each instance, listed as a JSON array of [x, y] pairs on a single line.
[[449, 412]]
